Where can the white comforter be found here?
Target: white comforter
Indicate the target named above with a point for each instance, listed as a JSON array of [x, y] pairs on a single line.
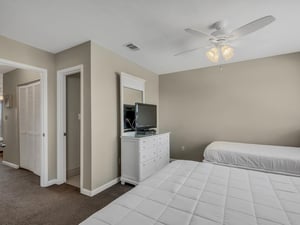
[[187, 192]]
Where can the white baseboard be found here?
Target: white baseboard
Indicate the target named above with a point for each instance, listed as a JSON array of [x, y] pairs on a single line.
[[86, 192], [101, 188], [59, 181], [51, 182], [105, 186], [15, 166]]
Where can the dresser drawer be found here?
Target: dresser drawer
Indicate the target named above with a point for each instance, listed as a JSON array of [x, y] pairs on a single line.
[[147, 154], [161, 149], [162, 161], [148, 149], [148, 143], [163, 139], [147, 168]]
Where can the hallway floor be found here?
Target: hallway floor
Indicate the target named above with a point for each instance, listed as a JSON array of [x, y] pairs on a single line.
[[23, 201]]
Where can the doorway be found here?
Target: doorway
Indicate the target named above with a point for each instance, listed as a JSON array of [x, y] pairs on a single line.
[[73, 129], [43, 158], [70, 124]]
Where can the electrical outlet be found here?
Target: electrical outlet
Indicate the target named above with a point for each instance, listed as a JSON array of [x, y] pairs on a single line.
[[182, 148]]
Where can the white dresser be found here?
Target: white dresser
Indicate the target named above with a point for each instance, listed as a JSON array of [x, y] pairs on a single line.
[[141, 156]]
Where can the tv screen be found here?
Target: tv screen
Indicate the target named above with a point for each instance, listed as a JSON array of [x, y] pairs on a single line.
[[145, 116], [129, 117]]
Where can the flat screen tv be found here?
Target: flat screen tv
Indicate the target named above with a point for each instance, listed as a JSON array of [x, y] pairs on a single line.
[[129, 117], [145, 116]]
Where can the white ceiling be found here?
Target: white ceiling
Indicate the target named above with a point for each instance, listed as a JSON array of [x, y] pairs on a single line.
[[6, 69], [156, 26]]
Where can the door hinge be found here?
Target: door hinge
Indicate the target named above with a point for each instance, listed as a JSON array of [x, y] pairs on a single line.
[[65, 134]]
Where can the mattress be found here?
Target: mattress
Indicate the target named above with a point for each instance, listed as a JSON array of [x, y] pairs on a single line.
[[194, 193], [268, 158]]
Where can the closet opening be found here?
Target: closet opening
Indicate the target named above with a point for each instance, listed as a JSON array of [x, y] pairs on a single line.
[[70, 123]]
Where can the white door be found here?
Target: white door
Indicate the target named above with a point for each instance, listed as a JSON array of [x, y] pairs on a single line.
[[30, 135]]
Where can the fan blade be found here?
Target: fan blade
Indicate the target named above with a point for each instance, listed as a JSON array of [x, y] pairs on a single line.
[[252, 26], [187, 51], [196, 33]]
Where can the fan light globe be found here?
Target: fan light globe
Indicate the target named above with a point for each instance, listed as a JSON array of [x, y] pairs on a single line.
[[213, 55], [227, 52]]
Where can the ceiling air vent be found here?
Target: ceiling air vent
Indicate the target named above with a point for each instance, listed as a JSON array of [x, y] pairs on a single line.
[[132, 47]]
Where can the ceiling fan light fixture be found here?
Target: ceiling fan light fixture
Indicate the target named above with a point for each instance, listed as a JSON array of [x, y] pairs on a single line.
[[227, 52], [213, 55], [220, 37]]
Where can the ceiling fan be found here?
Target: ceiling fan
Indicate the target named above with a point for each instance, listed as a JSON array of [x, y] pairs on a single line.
[[220, 40]]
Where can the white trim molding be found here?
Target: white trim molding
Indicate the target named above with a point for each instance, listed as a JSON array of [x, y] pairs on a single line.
[[61, 122], [86, 192], [12, 165], [52, 182], [133, 82], [44, 104], [100, 189]]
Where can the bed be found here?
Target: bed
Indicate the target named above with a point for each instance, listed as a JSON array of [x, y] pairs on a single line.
[[266, 158], [202, 193]]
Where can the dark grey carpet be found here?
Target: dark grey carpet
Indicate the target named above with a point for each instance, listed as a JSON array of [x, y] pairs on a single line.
[[24, 202]]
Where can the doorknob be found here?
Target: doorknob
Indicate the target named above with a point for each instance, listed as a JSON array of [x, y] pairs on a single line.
[[65, 134]]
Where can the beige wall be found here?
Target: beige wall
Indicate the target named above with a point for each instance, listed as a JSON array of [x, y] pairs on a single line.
[[78, 55], [73, 124], [11, 81], [255, 101], [105, 67], [21, 53], [101, 89]]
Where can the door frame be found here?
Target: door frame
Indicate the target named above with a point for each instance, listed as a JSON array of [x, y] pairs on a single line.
[[44, 182], [61, 123]]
